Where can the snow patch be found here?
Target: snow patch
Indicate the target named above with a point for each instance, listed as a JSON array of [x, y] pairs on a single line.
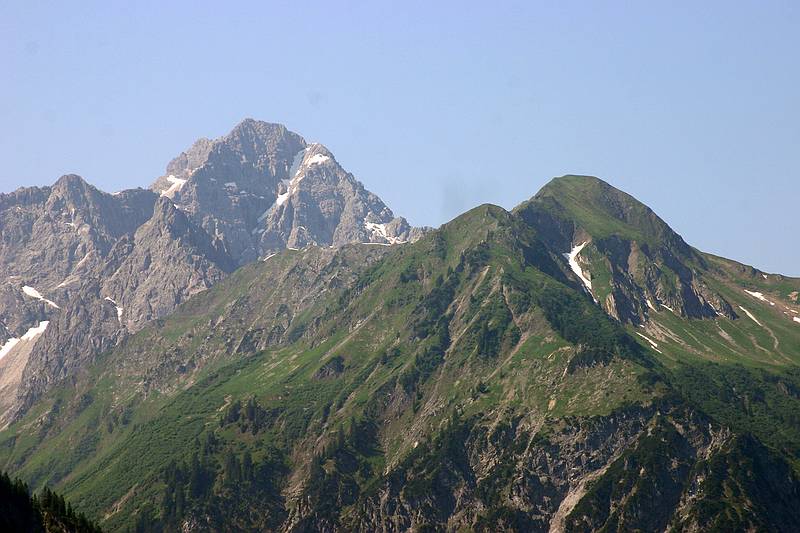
[[270, 255], [281, 199], [653, 343], [572, 256], [748, 313], [119, 309], [379, 230], [650, 305], [765, 276], [796, 319], [34, 332], [29, 335], [231, 184], [665, 306], [176, 184], [316, 159], [291, 185], [33, 293], [758, 295], [30, 291], [298, 159], [8, 346]]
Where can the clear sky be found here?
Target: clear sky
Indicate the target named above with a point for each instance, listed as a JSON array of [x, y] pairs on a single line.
[[692, 107]]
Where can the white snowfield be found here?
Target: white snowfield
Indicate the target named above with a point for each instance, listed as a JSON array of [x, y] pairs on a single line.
[[281, 199], [316, 159], [119, 309], [29, 335], [653, 343], [572, 256], [759, 295], [748, 313], [298, 159], [299, 163], [176, 184], [379, 230], [8, 346], [33, 293]]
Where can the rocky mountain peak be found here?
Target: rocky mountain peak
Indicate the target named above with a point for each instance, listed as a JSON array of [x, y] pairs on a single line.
[[222, 203], [71, 182], [72, 190], [602, 210], [262, 187], [622, 253], [193, 158]]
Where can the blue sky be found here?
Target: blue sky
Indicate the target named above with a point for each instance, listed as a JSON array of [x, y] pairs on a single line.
[[435, 106]]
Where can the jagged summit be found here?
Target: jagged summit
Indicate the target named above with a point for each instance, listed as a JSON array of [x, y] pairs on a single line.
[[70, 181], [262, 188]]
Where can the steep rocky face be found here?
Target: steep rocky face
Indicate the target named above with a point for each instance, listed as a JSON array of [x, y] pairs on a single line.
[[71, 253], [321, 204], [54, 235], [166, 261], [226, 184], [638, 470], [83, 327], [262, 188], [628, 259], [146, 276], [73, 257], [55, 241]]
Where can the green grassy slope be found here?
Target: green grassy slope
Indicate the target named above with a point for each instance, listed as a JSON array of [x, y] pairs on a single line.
[[303, 389]]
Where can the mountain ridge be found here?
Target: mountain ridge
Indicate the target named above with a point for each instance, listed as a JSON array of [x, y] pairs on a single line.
[[471, 379], [139, 253]]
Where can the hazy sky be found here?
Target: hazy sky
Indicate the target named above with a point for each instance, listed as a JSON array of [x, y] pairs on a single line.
[[435, 106]]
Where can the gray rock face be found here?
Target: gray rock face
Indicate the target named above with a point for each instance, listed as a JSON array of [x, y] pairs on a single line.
[[262, 188], [95, 267], [648, 265], [80, 330], [166, 261]]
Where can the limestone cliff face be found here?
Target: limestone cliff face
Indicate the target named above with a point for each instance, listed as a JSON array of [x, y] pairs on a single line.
[[263, 188], [71, 254]]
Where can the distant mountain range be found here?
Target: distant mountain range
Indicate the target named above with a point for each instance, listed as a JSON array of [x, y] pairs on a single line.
[[257, 343]]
